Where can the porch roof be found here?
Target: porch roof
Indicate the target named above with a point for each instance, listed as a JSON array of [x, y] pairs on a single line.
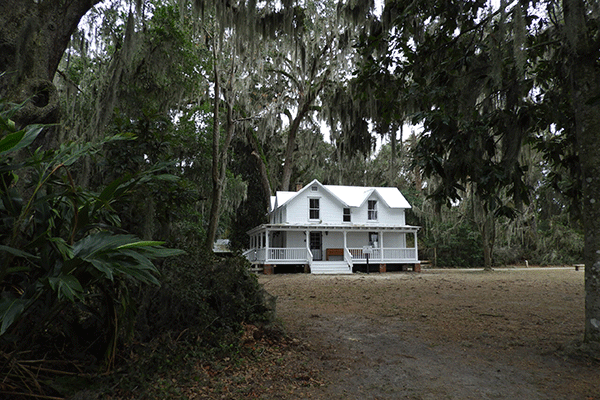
[[322, 227]]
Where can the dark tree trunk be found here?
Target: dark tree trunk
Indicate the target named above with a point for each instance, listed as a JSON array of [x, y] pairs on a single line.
[[262, 166], [585, 86], [290, 148], [215, 178], [220, 151], [33, 38], [305, 105], [393, 172], [488, 237]]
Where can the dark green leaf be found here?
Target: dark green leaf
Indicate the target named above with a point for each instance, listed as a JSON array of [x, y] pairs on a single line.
[[10, 310]]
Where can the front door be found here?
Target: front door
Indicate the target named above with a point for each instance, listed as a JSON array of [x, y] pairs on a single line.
[[316, 245]]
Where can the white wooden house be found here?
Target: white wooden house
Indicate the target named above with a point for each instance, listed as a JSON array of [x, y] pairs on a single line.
[[336, 229]]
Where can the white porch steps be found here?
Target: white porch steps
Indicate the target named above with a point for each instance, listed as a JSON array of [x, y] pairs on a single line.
[[330, 267]]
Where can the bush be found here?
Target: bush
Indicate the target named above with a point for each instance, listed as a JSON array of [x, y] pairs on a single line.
[[460, 247], [206, 298], [73, 284], [65, 269]]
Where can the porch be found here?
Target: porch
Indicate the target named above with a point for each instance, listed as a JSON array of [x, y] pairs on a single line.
[[306, 256], [320, 247]]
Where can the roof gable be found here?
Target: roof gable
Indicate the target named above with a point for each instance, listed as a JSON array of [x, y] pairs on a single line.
[[284, 197], [392, 197], [348, 196], [356, 196]]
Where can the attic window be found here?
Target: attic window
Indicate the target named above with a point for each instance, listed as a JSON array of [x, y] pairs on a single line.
[[372, 209], [314, 188], [347, 215]]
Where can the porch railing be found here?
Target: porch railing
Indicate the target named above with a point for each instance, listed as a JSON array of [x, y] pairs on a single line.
[[287, 254], [389, 254], [254, 255], [358, 254], [351, 255], [348, 258], [400, 254]]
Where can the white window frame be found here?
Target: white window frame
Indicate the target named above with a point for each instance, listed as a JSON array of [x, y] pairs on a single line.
[[372, 211], [344, 215], [311, 209]]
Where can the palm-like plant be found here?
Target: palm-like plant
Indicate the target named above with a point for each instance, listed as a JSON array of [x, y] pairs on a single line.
[[60, 245]]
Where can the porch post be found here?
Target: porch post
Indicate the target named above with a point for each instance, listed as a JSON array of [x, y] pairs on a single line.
[[381, 245], [266, 244], [416, 246], [345, 245], [307, 232]]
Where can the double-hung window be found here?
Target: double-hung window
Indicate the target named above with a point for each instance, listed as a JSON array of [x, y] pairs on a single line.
[[313, 209], [347, 215], [372, 209]]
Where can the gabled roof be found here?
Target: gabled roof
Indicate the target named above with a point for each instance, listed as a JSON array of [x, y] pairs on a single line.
[[283, 197], [348, 196]]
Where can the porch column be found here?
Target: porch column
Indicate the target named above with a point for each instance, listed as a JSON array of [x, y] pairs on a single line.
[[381, 245], [416, 246], [266, 244], [345, 245], [307, 267]]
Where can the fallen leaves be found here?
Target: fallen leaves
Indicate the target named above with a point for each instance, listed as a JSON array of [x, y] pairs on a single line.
[[266, 367]]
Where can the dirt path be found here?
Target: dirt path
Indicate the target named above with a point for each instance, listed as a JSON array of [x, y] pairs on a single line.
[[439, 334]]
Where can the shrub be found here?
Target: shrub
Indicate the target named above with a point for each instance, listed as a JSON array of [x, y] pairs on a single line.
[[207, 298], [65, 268]]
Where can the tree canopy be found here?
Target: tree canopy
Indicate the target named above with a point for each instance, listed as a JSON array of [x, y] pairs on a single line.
[[174, 121], [485, 81]]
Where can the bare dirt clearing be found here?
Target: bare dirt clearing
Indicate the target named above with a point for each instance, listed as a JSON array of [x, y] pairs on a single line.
[[450, 334]]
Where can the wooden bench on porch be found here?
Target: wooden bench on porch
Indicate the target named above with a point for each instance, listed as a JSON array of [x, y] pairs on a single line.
[[336, 254]]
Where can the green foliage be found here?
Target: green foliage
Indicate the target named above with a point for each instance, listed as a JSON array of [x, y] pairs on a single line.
[[252, 211], [175, 156], [453, 245], [458, 79], [559, 244], [62, 264], [74, 279], [207, 296], [198, 312]]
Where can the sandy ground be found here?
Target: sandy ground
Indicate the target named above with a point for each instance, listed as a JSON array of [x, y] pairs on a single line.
[[439, 334]]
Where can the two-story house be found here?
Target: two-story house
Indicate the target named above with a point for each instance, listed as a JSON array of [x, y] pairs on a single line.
[[336, 229]]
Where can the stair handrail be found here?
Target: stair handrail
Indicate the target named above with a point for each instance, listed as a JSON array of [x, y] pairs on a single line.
[[348, 258]]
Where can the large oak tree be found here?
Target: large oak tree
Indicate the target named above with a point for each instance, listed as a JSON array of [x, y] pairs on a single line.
[[485, 81], [33, 38]]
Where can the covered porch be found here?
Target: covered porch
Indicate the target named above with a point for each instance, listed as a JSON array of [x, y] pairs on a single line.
[[314, 246]]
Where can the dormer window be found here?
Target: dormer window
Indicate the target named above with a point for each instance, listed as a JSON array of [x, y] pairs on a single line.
[[372, 210], [347, 215], [313, 209]]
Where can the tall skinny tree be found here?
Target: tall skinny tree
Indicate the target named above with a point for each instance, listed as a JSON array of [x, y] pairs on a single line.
[[581, 31], [220, 145]]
